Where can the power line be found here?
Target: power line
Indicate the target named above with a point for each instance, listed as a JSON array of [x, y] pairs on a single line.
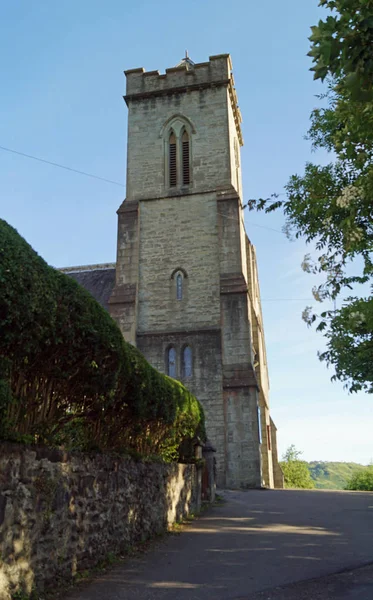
[[251, 223], [265, 227], [48, 162], [54, 164], [287, 299]]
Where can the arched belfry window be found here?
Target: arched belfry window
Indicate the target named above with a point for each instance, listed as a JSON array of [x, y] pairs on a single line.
[[187, 362], [172, 156], [179, 286], [171, 362], [177, 134], [185, 158]]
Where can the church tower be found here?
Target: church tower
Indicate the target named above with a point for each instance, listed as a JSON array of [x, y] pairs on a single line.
[[186, 291]]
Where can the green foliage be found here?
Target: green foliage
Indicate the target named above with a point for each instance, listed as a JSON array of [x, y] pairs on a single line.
[[350, 344], [333, 475], [67, 375], [363, 480], [21, 595], [331, 205], [296, 472], [6, 398], [342, 43]]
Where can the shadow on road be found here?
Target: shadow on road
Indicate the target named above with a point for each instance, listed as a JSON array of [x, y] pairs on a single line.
[[256, 540]]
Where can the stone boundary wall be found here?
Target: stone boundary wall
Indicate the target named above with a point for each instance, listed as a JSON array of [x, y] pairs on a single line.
[[62, 513]]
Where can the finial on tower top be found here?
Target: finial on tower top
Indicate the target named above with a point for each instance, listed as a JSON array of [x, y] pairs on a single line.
[[186, 61]]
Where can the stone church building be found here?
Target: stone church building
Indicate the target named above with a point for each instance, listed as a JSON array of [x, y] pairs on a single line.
[[184, 288]]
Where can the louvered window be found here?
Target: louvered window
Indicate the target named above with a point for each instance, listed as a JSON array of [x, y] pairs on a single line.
[[185, 158], [172, 160]]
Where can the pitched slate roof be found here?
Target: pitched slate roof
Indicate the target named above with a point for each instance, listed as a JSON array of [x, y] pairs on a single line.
[[98, 280]]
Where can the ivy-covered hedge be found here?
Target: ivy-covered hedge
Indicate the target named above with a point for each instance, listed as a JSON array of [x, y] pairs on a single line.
[[66, 374]]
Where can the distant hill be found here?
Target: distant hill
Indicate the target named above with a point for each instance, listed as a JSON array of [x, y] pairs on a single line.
[[332, 475]]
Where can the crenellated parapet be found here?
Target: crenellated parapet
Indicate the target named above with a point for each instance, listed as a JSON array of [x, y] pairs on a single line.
[[185, 77]]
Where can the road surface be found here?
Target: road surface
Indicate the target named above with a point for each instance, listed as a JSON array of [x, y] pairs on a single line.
[[257, 545]]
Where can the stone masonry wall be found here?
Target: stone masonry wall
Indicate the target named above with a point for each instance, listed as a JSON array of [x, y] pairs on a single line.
[[201, 96], [260, 365], [182, 233], [205, 381], [178, 233], [63, 513], [123, 304], [210, 162], [278, 475], [196, 228], [218, 69], [239, 382]]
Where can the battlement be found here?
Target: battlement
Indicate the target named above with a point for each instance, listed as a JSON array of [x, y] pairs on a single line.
[[185, 77], [216, 70]]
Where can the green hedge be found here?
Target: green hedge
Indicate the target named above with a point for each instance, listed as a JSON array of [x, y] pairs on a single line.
[[66, 374]]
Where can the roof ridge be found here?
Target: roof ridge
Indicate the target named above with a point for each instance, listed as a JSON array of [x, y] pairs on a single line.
[[82, 268]]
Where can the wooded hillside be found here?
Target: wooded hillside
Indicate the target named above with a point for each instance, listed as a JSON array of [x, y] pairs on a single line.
[[333, 475]]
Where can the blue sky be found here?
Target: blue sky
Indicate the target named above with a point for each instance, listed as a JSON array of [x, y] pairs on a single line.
[[61, 94]]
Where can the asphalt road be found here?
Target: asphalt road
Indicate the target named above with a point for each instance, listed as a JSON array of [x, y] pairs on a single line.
[[257, 545]]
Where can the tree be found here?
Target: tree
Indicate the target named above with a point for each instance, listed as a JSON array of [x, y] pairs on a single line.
[[363, 480], [331, 205], [296, 472], [341, 45]]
